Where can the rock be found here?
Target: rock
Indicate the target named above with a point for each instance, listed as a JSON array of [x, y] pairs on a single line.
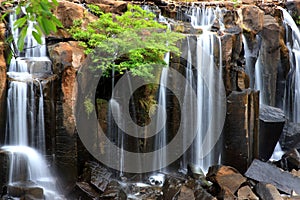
[[114, 191], [97, 176], [268, 173], [270, 48], [186, 193], [4, 168], [252, 18], [228, 178], [272, 121], [291, 160], [240, 134], [83, 190], [267, 191], [66, 58], [243, 81], [171, 187], [246, 193], [67, 12], [290, 137], [21, 189]]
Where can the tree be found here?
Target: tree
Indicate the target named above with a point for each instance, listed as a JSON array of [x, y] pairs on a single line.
[[132, 41]]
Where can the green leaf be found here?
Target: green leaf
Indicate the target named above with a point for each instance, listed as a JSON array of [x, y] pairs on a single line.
[[20, 22], [37, 37], [21, 39]]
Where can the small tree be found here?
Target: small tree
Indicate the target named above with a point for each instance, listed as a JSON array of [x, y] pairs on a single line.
[[133, 41]]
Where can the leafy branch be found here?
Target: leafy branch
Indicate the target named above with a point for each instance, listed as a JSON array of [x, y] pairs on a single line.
[[133, 41], [35, 12]]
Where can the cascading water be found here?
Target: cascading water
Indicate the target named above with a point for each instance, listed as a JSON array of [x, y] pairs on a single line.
[[161, 137], [292, 94], [207, 83], [25, 134]]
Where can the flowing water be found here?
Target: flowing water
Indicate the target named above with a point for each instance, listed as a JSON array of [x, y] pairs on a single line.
[[207, 81], [292, 94], [25, 134]]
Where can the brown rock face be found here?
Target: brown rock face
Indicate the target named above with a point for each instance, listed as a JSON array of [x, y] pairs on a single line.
[[66, 57], [253, 18], [2, 82], [228, 178], [67, 12]]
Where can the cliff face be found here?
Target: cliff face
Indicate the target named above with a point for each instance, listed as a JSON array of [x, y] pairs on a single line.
[[251, 34]]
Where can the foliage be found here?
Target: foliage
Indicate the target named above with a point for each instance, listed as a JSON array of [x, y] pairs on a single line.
[[133, 41], [37, 12]]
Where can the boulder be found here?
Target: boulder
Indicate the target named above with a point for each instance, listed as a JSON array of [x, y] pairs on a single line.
[[267, 191], [269, 173], [228, 178], [67, 12], [28, 188]]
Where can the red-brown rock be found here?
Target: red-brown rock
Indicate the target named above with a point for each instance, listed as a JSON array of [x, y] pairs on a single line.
[[228, 178]]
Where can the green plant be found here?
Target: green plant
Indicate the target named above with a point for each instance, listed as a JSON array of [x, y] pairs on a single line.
[[37, 12], [133, 41]]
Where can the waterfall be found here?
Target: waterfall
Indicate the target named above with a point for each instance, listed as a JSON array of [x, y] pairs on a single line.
[[25, 134], [161, 136], [292, 93], [188, 100], [207, 81]]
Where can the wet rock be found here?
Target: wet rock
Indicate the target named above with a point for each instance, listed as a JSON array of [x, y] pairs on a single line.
[[4, 168], [241, 129], [253, 18], [171, 188], [272, 121], [114, 191], [269, 173], [267, 191], [83, 190], [290, 136], [97, 176], [23, 189], [291, 160], [186, 193], [228, 178], [246, 192], [66, 58]]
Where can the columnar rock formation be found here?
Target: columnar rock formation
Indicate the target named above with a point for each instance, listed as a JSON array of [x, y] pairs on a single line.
[[261, 26]]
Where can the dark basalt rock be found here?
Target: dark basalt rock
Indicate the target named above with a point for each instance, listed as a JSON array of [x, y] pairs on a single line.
[[272, 121], [291, 136]]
